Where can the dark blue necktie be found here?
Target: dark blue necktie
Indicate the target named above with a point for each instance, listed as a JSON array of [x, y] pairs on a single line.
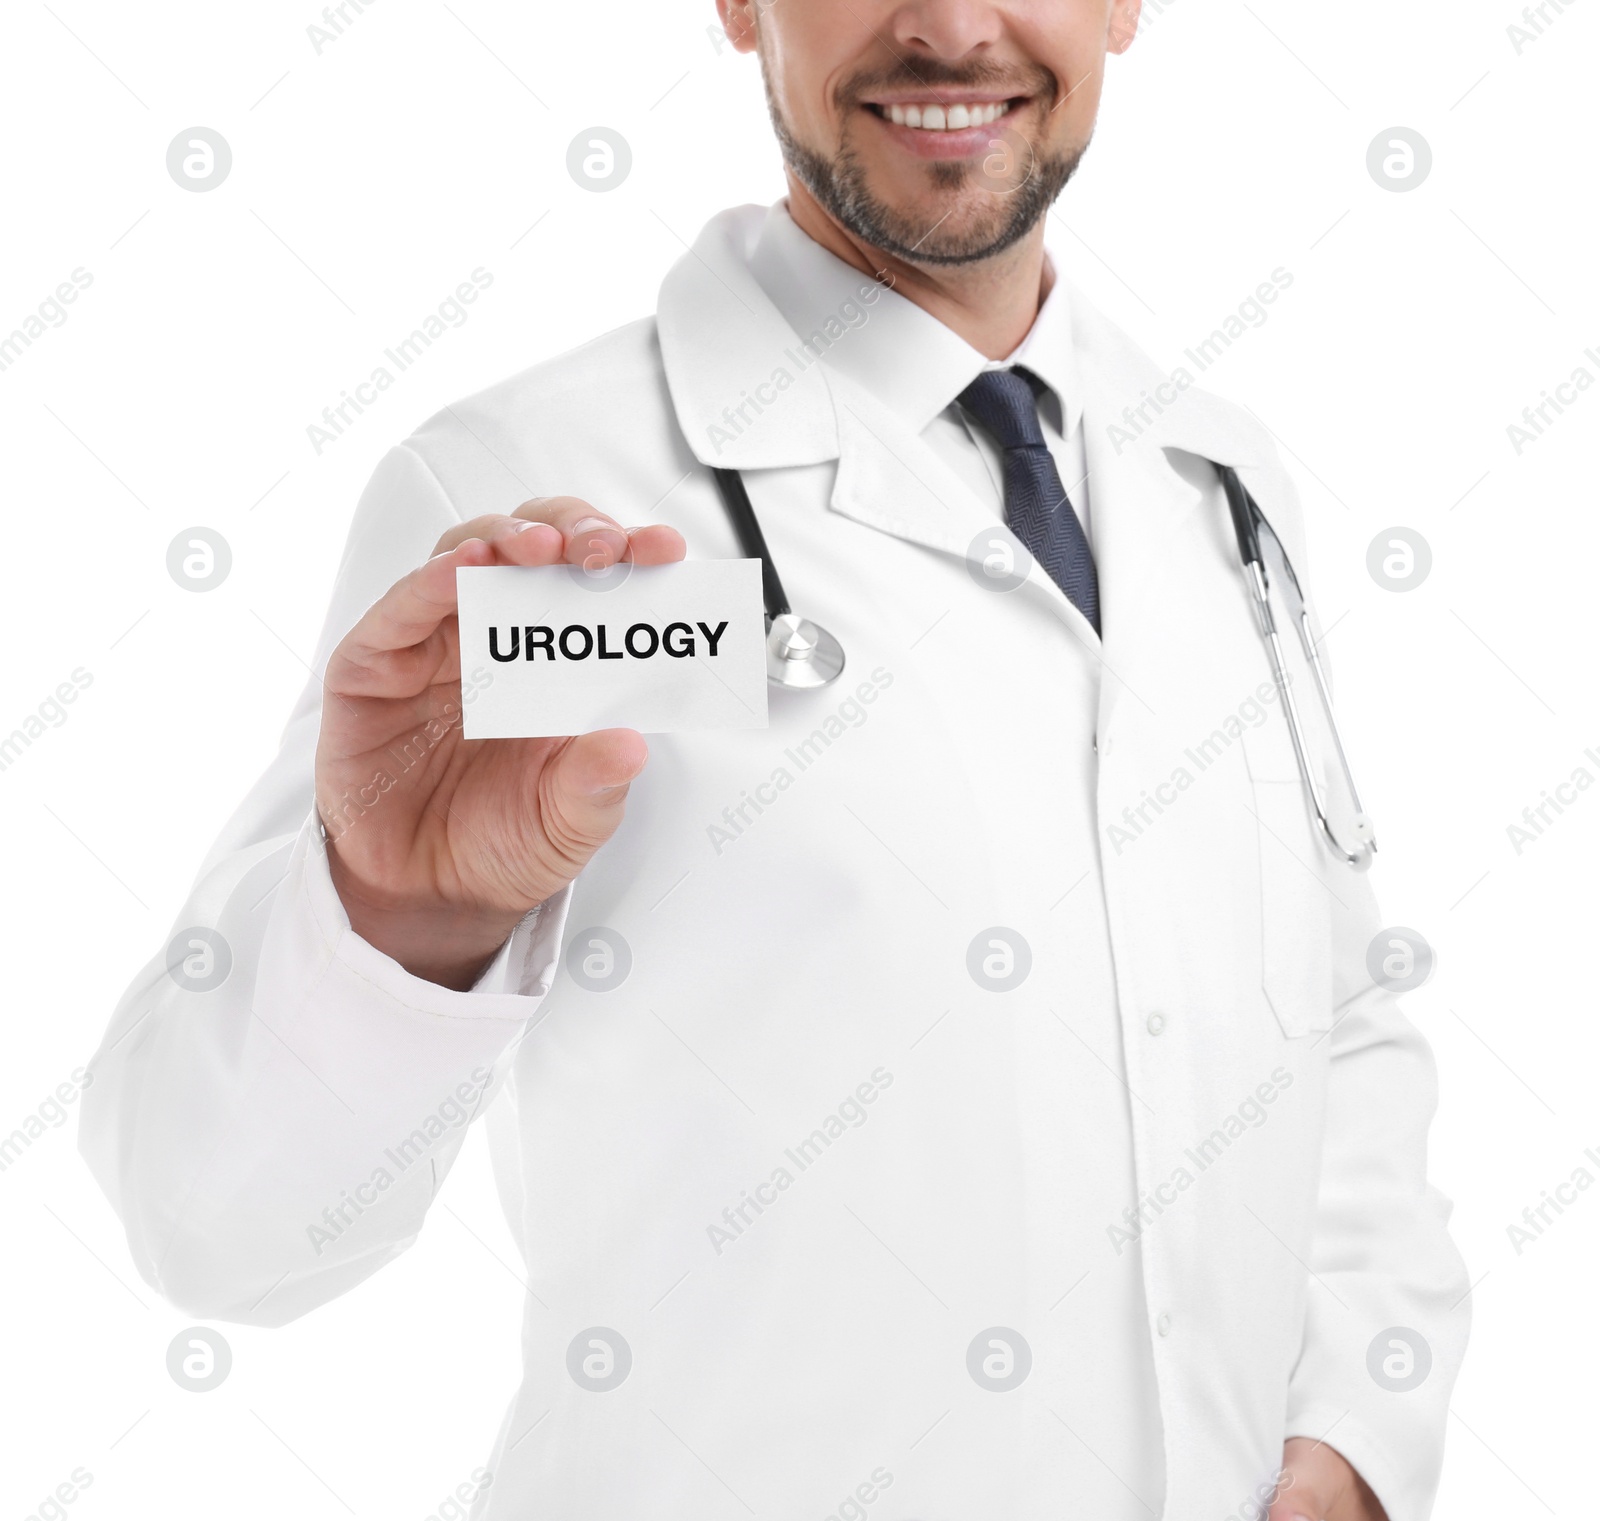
[[1036, 505]]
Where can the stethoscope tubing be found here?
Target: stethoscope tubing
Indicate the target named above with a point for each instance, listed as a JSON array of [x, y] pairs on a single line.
[[1248, 522], [730, 484], [815, 658]]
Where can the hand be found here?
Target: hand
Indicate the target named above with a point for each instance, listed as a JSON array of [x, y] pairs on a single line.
[[1317, 1484], [439, 845]]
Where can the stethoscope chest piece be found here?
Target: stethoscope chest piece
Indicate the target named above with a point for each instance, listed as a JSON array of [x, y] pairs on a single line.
[[801, 654]]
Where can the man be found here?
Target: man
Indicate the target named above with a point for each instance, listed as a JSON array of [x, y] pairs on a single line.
[[967, 1097]]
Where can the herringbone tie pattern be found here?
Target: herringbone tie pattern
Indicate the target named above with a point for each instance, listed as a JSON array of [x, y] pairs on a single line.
[[1036, 505]]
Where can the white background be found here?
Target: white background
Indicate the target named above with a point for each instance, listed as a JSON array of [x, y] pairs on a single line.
[[367, 182]]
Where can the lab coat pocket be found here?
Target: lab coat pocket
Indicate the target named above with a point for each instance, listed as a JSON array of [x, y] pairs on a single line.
[[1296, 909]]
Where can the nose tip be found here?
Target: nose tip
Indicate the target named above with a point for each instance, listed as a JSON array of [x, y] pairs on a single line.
[[947, 29]]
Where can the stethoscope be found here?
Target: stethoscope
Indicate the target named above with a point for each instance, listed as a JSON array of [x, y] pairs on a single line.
[[802, 655]]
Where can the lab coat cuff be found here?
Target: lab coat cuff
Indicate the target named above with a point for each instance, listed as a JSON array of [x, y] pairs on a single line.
[[509, 988], [1404, 1497]]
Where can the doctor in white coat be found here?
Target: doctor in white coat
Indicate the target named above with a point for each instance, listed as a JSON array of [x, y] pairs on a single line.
[[967, 1098]]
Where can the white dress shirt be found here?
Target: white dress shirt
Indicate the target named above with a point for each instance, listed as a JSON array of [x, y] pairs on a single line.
[[910, 360]]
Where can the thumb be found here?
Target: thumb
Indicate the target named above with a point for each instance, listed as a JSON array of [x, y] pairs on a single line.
[[583, 790], [1298, 1499], [1298, 1493]]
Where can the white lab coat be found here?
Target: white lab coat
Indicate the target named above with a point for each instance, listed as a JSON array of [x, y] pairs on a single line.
[[271, 1142]]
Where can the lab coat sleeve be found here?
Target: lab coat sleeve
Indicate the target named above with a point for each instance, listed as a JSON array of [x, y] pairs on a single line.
[[1382, 1263], [270, 1142]]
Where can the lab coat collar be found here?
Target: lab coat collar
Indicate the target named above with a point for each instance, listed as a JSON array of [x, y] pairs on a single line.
[[723, 340], [747, 396], [890, 346], [899, 353], [1134, 411]]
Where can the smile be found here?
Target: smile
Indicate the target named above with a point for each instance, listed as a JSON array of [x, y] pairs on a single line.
[[942, 116]]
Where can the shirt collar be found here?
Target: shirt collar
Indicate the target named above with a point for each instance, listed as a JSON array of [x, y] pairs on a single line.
[[1048, 351], [728, 355], [897, 352]]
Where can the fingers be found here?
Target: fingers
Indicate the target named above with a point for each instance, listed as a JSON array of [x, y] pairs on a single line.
[[579, 533], [379, 656], [593, 538], [384, 653], [517, 541], [596, 540]]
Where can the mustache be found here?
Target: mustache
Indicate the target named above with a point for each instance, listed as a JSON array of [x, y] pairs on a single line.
[[938, 78]]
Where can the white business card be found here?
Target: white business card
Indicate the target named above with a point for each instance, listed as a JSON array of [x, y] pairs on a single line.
[[556, 649]]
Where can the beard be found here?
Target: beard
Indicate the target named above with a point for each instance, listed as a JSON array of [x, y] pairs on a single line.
[[839, 184]]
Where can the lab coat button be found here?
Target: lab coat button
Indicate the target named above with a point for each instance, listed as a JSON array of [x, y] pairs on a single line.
[[1163, 1324], [1156, 1023]]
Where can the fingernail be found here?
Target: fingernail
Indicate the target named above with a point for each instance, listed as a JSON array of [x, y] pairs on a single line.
[[522, 525], [594, 525]]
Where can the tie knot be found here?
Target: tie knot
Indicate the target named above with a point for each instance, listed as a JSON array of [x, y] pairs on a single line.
[[1004, 403]]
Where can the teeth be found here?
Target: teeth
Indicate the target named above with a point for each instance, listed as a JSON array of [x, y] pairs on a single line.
[[939, 118]]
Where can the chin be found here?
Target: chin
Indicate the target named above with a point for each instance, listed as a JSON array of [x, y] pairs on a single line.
[[940, 222], [934, 212]]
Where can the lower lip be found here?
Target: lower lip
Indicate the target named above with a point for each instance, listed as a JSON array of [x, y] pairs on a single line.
[[963, 142]]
